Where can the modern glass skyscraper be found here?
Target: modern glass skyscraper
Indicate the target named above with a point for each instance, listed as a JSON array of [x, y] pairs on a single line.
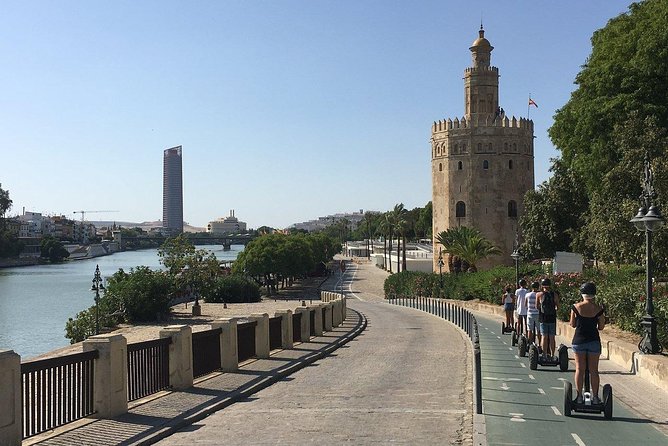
[[172, 191]]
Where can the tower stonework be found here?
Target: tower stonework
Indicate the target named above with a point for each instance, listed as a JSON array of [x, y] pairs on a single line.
[[483, 163]]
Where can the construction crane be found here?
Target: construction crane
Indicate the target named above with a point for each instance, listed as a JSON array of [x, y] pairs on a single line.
[[83, 213]]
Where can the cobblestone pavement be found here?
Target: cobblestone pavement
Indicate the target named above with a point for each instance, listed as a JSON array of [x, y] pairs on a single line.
[[404, 380]]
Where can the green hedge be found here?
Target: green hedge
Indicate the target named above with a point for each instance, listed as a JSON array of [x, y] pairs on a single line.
[[620, 289], [234, 289]]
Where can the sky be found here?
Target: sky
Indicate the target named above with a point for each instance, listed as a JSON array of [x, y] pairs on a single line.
[[286, 110]]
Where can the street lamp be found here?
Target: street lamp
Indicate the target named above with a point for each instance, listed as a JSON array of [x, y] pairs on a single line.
[[516, 256], [97, 287], [648, 219], [440, 269]]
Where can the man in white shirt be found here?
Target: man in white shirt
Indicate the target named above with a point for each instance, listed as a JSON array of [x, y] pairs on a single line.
[[521, 306]]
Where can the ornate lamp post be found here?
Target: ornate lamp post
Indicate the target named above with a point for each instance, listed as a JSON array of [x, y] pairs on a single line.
[[97, 287], [440, 268], [516, 256], [648, 219]]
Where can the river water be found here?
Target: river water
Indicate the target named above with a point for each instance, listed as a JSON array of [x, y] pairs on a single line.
[[36, 301]]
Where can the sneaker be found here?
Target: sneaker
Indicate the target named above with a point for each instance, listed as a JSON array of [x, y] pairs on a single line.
[[579, 400], [596, 400]]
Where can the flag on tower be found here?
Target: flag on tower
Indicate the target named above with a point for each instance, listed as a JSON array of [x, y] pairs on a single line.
[[531, 102]]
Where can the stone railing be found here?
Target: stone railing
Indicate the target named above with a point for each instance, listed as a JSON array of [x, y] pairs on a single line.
[[105, 387]]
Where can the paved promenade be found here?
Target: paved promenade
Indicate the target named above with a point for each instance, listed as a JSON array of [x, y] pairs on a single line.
[[402, 381]]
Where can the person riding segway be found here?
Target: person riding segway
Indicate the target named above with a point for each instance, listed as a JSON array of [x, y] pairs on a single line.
[[588, 319], [508, 302], [531, 322], [521, 310], [547, 302]]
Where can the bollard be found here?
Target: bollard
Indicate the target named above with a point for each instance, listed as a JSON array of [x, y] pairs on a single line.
[[478, 379], [261, 334]]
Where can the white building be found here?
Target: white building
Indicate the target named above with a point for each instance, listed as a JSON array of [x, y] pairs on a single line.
[[226, 225]]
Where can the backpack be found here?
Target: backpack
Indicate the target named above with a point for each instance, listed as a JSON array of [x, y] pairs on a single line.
[[547, 304]]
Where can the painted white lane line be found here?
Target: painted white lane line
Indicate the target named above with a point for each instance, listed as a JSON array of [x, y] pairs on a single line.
[[494, 378], [504, 386], [517, 417], [493, 333], [517, 357], [557, 388], [504, 343], [556, 411], [509, 348], [498, 337], [523, 366], [541, 391], [577, 439], [531, 377]]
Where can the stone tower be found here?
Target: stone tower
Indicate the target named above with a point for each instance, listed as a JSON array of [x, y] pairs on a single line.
[[483, 163]]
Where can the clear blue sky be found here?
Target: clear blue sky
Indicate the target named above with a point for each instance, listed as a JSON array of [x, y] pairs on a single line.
[[286, 110]]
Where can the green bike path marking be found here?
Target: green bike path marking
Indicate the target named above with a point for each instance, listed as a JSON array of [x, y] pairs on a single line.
[[523, 406]]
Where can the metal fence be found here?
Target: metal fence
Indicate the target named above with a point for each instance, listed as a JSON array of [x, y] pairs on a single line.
[[56, 391], [312, 320], [206, 351], [246, 340], [148, 367], [459, 316], [297, 327], [275, 332]]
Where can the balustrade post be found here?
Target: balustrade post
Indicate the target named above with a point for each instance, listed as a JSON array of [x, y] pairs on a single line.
[[262, 348], [344, 311], [328, 317], [11, 421], [229, 352], [336, 313], [305, 322], [317, 320], [110, 371], [180, 355], [286, 327]]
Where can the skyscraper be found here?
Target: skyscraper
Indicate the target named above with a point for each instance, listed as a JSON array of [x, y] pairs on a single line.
[[172, 191]]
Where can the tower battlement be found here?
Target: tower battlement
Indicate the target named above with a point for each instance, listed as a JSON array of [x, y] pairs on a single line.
[[481, 70], [486, 121]]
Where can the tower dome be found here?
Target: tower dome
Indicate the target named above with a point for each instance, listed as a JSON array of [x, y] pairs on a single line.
[[481, 43], [481, 50]]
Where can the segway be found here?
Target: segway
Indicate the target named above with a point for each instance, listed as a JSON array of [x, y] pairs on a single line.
[[587, 406], [523, 342], [536, 359], [507, 329]]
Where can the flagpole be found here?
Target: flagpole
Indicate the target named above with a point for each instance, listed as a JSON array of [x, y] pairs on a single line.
[[529, 107]]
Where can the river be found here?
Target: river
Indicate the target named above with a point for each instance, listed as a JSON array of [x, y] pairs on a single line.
[[36, 301]]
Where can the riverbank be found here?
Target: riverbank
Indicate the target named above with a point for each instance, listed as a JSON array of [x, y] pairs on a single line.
[[288, 299], [15, 262]]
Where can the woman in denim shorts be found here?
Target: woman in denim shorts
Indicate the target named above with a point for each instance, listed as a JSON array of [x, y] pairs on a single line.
[[587, 318]]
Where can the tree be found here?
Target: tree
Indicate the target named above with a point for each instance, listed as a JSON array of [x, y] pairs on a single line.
[[192, 269], [399, 215], [5, 203], [467, 243], [52, 249]]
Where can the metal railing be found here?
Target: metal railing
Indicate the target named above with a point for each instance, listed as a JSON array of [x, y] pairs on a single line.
[[297, 327], [312, 322], [459, 316], [56, 391], [148, 367], [246, 340], [206, 351], [275, 332]]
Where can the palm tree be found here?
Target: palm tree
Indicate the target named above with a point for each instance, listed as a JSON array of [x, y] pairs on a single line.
[[383, 229], [468, 244], [401, 223]]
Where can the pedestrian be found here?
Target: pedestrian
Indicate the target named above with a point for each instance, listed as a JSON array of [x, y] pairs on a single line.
[[547, 302], [521, 305], [587, 318], [508, 302], [533, 324]]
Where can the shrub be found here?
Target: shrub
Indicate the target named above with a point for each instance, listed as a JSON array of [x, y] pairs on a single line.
[[233, 289]]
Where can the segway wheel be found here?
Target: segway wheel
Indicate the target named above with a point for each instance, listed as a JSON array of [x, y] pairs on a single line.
[[533, 357], [503, 328], [563, 358], [607, 401], [522, 346], [568, 398], [513, 339]]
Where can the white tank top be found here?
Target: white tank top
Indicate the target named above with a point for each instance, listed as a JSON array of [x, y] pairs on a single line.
[[531, 301]]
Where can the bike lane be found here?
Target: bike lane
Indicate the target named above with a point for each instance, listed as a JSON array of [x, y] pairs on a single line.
[[523, 406]]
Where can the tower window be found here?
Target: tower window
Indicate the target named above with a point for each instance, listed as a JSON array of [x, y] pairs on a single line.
[[490, 146], [485, 164], [440, 167], [512, 209], [505, 146], [510, 164], [460, 165], [460, 209]]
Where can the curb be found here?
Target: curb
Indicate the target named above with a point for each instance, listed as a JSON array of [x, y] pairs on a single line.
[[187, 420]]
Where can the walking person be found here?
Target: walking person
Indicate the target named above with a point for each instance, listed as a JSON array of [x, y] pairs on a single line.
[[587, 318], [508, 302], [547, 302], [533, 324], [521, 306]]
